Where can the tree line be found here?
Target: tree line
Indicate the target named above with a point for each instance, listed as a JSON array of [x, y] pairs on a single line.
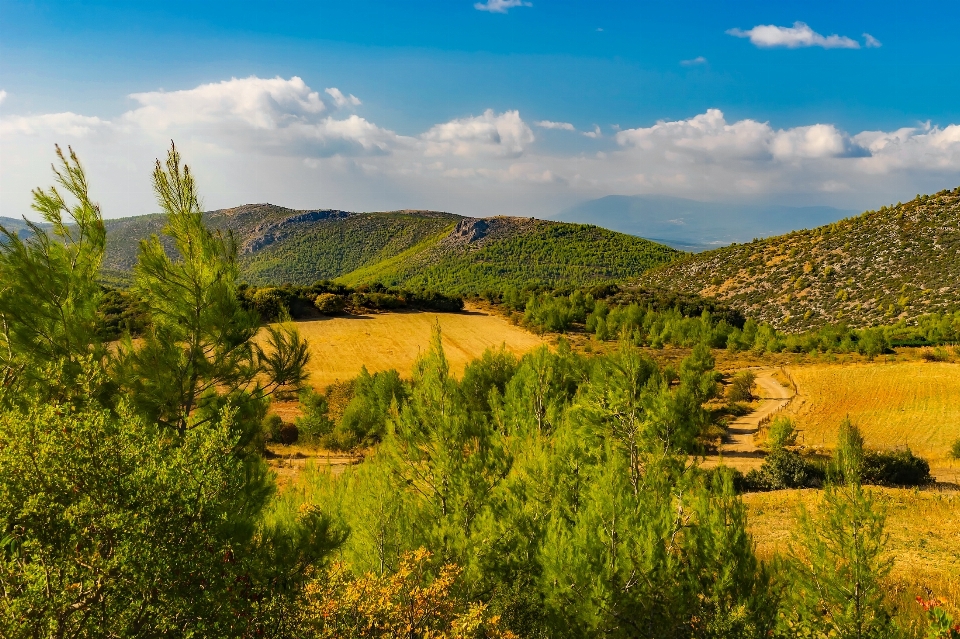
[[656, 325]]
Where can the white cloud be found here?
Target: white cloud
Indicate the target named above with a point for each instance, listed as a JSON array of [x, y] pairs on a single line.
[[66, 124], [816, 141], [708, 138], [500, 6], [341, 100], [595, 133], [256, 140], [547, 124], [871, 42], [504, 135], [693, 62], [254, 102], [797, 36], [3, 96]]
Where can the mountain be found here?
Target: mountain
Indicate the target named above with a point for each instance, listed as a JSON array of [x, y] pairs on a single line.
[[695, 226], [412, 249], [896, 263], [18, 226]]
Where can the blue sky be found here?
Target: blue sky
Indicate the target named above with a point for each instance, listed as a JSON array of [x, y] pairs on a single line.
[[448, 97]]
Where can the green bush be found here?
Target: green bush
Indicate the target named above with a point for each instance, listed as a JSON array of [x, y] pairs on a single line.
[[328, 303], [271, 427], [895, 468], [955, 449], [741, 387], [782, 433], [364, 420], [784, 469], [314, 425]]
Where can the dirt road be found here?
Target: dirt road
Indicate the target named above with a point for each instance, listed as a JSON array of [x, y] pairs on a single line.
[[738, 449]]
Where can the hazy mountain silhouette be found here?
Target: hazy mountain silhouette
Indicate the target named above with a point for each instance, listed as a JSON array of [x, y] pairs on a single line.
[[694, 225]]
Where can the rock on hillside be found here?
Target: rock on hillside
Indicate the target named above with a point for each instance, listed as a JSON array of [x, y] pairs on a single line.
[[896, 263]]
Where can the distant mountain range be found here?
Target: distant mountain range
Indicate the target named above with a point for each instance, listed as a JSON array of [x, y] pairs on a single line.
[[413, 249], [696, 226], [18, 226], [879, 267]]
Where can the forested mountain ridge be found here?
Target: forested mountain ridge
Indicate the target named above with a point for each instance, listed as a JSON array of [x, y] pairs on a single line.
[[896, 263], [413, 249]]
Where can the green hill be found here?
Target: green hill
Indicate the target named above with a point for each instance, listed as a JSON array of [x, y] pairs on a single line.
[[409, 249], [897, 263]]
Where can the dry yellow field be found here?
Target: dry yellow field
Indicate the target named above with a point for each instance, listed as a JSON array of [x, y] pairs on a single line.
[[341, 345], [923, 528], [894, 404]]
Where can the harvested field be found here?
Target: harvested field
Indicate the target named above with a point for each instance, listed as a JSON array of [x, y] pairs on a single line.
[[342, 345], [923, 528], [894, 404]]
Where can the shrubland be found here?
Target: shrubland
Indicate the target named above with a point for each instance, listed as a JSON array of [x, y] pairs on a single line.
[[897, 263], [552, 494]]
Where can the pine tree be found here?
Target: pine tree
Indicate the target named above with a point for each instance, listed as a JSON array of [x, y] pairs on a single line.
[[50, 291], [199, 354]]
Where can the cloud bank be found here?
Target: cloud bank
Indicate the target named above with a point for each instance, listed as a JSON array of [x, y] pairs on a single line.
[[275, 139]]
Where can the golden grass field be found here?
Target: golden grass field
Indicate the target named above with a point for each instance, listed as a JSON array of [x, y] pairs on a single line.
[[894, 404], [923, 528], [340, 346]]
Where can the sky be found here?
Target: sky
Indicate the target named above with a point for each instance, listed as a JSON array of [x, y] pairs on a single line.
[[484, 108]]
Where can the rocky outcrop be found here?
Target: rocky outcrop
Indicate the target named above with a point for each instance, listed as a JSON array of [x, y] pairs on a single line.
[[267, 233], [469, 230]]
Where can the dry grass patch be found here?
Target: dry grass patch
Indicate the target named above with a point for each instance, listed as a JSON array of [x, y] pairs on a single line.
[[340, 346], [894, 404], [923, 528]]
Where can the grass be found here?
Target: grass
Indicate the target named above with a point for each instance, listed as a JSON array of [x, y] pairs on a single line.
[[894, 404], [923, 528], [340, 346]]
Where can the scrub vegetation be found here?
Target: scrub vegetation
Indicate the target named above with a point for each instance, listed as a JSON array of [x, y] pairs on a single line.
[[543, 494], [897, 263]]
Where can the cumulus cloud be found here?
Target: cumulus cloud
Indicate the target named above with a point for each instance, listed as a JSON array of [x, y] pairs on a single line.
[[547, 124], [505, 135], [278, 140], [871, 42], [797, 36], [500, 6], [708, 137], [694, 61], [3, 96], [254, 102], [341, 100]]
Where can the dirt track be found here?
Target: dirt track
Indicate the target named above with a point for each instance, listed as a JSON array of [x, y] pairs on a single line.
[[738, 449]]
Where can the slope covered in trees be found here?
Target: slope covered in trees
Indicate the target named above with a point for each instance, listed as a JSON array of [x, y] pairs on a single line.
[[897, 263], [494, 253], [409, 249]]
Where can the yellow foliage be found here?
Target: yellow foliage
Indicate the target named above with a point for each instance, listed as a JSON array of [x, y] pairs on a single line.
[[408, 603]]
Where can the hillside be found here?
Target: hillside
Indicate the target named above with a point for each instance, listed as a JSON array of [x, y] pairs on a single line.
[[896, 263], [491, 253], [412, 249], [18, 227]]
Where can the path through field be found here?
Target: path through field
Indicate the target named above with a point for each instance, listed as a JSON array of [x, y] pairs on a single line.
[[738, 449]]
